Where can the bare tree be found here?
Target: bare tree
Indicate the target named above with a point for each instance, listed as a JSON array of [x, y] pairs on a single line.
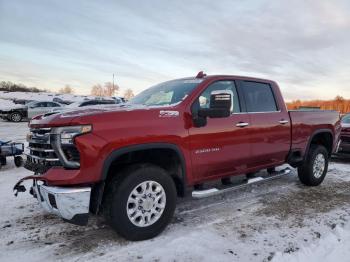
[[66, 90], [128, 94], [97, 90], [110, 89], [107, 90]]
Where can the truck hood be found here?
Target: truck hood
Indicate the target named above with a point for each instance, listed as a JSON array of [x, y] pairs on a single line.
[[72, 116]]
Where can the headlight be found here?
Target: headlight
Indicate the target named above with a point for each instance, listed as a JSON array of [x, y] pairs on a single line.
[[68, 133], [62, 141]]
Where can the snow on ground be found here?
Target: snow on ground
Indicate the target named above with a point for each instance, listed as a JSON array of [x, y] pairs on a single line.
[[333, 247], [279, 220]]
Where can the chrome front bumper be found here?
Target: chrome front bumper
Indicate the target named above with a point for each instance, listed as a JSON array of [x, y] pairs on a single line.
[[72, 204]]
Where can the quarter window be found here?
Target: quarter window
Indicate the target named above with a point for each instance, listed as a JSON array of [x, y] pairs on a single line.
[[259, 97]]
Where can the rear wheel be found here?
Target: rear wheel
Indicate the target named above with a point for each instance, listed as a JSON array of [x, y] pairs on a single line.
[[18, 161], [140, 204], [314, 169], [16, 117]]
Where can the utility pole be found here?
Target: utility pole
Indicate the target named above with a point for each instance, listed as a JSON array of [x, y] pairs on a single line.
[[113, 81]]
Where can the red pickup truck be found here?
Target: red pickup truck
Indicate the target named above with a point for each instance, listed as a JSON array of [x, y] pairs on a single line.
[[131, 162]]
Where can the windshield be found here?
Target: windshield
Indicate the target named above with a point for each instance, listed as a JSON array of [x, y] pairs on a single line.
[[167, 93], [346, 119]]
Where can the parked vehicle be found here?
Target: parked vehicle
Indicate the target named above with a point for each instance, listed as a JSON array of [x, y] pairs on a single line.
[[344, 142], [27, 111], [11, 149], [119, 99], [21, 101], [85, 103], [131, 162], [61, 101]]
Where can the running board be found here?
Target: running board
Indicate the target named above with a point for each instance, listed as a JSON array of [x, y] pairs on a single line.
[[214, 191]]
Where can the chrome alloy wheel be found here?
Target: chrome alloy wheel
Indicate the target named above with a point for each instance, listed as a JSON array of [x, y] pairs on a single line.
[[16, 117], [146, 203], [319, 165]]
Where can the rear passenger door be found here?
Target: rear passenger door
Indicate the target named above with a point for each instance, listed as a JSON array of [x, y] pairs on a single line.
[[269, 124]]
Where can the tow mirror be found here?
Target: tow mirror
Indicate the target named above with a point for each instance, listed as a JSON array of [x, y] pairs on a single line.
[[220, 105]]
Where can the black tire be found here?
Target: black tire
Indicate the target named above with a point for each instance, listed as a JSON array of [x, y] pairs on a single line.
[[3, 160], [271, 170], [18, 161], [117, 195], [306, 172], [16, 117]]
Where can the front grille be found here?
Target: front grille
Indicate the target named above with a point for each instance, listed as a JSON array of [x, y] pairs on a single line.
[[41, 155]]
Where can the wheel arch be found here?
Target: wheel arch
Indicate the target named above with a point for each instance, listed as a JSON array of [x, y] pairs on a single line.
[[322, 137], [123, 154]]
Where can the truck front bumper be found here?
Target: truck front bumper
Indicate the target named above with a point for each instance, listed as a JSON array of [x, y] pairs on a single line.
[[72, 204]]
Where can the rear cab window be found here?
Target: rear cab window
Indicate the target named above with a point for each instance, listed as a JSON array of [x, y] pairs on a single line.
[[259, 97]]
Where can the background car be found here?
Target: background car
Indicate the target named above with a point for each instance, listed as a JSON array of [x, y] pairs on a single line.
[[119, 99], [19, 112], [344, 143], [61, 101], [93, 102]]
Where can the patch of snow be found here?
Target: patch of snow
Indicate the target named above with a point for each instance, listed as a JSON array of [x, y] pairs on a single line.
[[334, 247]]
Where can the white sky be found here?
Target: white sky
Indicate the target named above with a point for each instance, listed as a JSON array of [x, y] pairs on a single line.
[[303, 45]]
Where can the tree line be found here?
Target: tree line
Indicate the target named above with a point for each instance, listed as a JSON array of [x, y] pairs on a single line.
[[339, 103], [13, 87]]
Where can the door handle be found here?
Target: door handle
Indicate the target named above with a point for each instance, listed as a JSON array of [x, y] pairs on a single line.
[[242, 124], [283, 122]]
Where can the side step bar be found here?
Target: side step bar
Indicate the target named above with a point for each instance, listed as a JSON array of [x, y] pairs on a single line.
[[214, 191]]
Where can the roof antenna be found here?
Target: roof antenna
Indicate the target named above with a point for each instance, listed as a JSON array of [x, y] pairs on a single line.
[[200, 74]]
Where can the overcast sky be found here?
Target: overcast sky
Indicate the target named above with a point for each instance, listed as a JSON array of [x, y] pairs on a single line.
[[304, 45]]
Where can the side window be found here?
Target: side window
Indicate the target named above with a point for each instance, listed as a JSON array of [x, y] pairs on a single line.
[[51, 104], [346, 119], [259, 97], [204, 98], [41, 104], [88, 103]]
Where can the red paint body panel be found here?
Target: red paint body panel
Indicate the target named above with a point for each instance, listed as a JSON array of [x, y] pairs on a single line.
[[307, 123], [217, 150]]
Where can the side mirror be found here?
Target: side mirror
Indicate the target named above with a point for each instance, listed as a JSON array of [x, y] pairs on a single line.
[[220, 105]]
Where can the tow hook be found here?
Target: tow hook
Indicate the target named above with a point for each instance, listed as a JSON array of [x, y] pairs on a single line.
[[19, 188]]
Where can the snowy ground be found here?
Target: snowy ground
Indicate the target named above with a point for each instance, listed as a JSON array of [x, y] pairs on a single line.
[[280, 220]]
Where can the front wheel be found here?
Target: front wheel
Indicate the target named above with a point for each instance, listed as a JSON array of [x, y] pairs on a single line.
[[314, 169], [141, 204], [16, 117]]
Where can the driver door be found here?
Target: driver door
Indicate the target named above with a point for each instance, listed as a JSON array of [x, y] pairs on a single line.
[[222, 146]]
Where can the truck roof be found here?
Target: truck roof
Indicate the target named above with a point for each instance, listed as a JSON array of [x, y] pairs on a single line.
[[202, 75]]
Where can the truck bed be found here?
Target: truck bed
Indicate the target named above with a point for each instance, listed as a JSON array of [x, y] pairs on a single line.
[[306, 122]]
